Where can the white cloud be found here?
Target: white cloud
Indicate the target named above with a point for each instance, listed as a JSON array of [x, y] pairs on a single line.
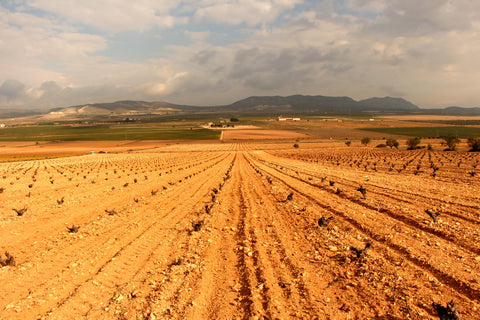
[[250, 12], [426, 51], [113, 15], [420, 18]]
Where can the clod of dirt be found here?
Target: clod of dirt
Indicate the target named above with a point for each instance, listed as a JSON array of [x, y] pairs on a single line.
[[432, 214], [344, 308], [324, 222], [360, 253], [20, 212], [154, 192], [290, 197], [2, 189], [449, 312], [208, 208], [197, 226], [9, 261], [177, 262], [60, 201]]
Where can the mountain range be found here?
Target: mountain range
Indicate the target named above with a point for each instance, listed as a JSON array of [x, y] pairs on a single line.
[[295, 104]]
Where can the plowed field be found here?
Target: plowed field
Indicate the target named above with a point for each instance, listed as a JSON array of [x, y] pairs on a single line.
[[232, 231]]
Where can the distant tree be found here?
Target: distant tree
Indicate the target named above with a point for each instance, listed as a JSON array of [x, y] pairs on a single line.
[[348, 143], [296, 145], [392, 143], [451, 141], [413, 143], [366, 140], [234, 120], [474, 143]]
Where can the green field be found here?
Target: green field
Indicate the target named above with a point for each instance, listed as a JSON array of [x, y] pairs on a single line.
[[429, 132], [108, 132]]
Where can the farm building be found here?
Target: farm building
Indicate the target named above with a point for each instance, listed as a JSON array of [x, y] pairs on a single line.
[[280, 118]]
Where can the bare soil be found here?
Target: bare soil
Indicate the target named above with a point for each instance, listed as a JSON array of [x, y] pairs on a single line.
[[429, 117], [31, 150], [256, 135], [231, 231]]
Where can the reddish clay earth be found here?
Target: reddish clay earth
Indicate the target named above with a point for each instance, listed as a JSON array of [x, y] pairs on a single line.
[[231, 231]]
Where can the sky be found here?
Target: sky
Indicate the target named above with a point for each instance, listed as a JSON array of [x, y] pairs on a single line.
[[213, 52]]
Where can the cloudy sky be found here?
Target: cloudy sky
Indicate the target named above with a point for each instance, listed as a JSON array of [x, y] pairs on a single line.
[[210, 52]]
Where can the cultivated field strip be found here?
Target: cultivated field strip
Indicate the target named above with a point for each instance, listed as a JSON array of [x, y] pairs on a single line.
[[101, 231], [86, 195], [444, 166], [423, 192], [456, 217], [238, 231], [373, 233], [137, 253], [401, 226]]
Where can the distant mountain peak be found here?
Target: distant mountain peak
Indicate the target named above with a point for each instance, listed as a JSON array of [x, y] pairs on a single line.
[[293, 104], [307, 103], [388, 103]]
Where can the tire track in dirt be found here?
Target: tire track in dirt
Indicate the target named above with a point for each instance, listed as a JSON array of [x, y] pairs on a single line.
[[259, 267], [246, 288], [223, 289], [287, 275]]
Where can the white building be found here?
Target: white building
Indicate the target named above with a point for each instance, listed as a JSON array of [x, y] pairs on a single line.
[[287, 119]]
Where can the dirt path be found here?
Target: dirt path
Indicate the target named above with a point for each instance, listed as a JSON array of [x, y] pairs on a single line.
[[232, 232]]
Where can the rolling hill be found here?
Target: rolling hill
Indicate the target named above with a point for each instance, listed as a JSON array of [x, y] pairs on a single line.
[[254, 104], [294, 104]]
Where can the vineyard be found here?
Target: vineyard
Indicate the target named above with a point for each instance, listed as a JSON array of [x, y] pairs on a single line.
[[241, 231]]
